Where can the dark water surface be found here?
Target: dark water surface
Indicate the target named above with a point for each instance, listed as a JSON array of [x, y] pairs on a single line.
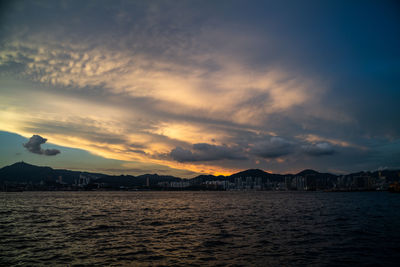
[[199, 228]]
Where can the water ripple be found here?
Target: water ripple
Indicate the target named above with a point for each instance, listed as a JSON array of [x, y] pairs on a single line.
[[199, 228]]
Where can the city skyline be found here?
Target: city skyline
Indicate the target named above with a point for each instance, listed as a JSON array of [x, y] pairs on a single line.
[[185, 88], [22, 176]]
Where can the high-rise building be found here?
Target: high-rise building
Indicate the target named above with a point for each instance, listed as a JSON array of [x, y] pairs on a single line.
[[288, 182], [83, 180], [249, 182], [239, 183], [258, 183]]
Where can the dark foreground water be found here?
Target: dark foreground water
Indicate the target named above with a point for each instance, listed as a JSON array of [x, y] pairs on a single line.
[[199, 228]]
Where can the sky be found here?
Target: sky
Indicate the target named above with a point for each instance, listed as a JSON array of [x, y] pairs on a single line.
[[190, 87]]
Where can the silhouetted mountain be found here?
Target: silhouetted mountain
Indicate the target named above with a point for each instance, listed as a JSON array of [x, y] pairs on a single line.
[[24, 172], [202, 178], [307, 172], [252, 173], [257, 173]]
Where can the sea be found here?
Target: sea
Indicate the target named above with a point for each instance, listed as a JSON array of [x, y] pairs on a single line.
[[183, 228]]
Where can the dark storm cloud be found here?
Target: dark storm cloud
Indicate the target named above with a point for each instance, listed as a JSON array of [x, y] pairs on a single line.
[[319, 149], [206, 152], [275, 147], [34, 146]]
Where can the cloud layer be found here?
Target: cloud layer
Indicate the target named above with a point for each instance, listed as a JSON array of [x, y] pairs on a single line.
[[274, 147], [206, 152], [204, 87], [319, 149]]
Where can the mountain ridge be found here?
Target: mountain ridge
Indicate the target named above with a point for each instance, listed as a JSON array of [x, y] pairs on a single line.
[[30, 168], [23, 168]]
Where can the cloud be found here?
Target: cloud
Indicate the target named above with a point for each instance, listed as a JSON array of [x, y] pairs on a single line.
[[319, 149], [206, 152], [34, 144], [275, 147]]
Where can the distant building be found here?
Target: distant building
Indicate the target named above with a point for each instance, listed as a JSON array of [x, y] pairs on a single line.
[[258, 183], [310, 182], [249, 182], [180, 184], [288, 182], [298, 183], [83, 180], [238, 183]]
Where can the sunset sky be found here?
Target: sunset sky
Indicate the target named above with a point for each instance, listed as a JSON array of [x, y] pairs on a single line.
[[189, 87]]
